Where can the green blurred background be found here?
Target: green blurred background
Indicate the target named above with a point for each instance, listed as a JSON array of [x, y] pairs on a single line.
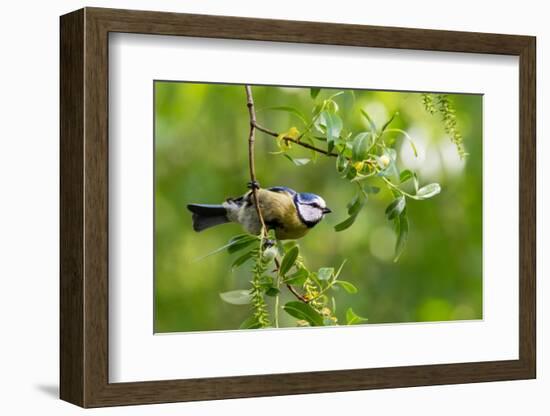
[[201, 133]]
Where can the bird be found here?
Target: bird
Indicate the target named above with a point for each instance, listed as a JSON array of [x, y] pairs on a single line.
[[291, 214]]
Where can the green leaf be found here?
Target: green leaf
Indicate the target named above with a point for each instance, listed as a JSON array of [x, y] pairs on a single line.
[[341, 163], [428, 191], [348, 222], [396, 207], [239, 245], [237, 297], [325, 273], [332, 105], [348, 287], [299, 161], [336, 94], [314, 92], [239, 261], [387, 123], [272, 291], [288, 260], [250, 323], [408, 137], [356, 204], [405, 175], [304, 311], [371, 122], [290, 110], [340, 269], [297, 278], [351, 172], [287, 245], [352, 318], [241, 238], [402, 229], [313, 276], [266, 282], [354, 207], [333, 125], [361, 145], [391, 153]]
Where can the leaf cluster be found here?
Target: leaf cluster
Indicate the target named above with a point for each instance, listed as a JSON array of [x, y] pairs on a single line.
[[317, 305], [367, 159]]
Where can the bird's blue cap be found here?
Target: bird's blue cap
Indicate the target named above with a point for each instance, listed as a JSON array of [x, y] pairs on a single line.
[[307, 197]]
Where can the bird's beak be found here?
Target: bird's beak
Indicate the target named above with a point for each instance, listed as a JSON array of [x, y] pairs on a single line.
[[327, 210]]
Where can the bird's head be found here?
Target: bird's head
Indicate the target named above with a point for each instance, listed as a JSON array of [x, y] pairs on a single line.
[[311, 208]]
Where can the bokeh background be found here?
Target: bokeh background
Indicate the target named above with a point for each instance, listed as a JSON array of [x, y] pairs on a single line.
[[201, 133]]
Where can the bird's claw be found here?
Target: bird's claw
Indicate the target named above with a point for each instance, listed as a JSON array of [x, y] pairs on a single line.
[[253, 185]]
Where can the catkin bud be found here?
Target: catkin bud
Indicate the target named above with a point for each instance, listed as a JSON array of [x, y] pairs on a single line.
[[359, 166], [384, 161], [270, 253]]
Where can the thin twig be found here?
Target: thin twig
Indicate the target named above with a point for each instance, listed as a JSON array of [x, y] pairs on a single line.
[[251, 140], [297, 141], [253, 181], [292, 290]]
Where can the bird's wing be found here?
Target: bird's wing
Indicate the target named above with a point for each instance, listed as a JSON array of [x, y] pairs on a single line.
[[283, 189], [279, 212], [277, 206], [238, 200]]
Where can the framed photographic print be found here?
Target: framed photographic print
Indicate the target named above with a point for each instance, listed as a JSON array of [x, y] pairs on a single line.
[[256, 207]]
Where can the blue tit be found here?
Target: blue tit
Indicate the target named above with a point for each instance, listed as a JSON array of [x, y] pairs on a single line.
[[289, 213]]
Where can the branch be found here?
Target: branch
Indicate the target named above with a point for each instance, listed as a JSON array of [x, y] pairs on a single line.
[[293, 291], [289, 286], [297, 141], [253, 181], [251, 140]]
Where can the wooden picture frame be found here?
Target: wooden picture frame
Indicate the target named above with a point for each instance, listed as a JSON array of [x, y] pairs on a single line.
[[84, 207]]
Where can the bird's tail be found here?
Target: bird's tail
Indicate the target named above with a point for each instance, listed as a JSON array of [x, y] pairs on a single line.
[[206, 216]]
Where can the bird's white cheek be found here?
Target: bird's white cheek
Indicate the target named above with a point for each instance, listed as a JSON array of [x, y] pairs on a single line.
[[310, 213]]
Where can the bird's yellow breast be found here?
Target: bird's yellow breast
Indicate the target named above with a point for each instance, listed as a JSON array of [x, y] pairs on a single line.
[[280, 213]]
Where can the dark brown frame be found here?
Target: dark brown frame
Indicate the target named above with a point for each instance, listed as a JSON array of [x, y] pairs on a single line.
[[84, 207]]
